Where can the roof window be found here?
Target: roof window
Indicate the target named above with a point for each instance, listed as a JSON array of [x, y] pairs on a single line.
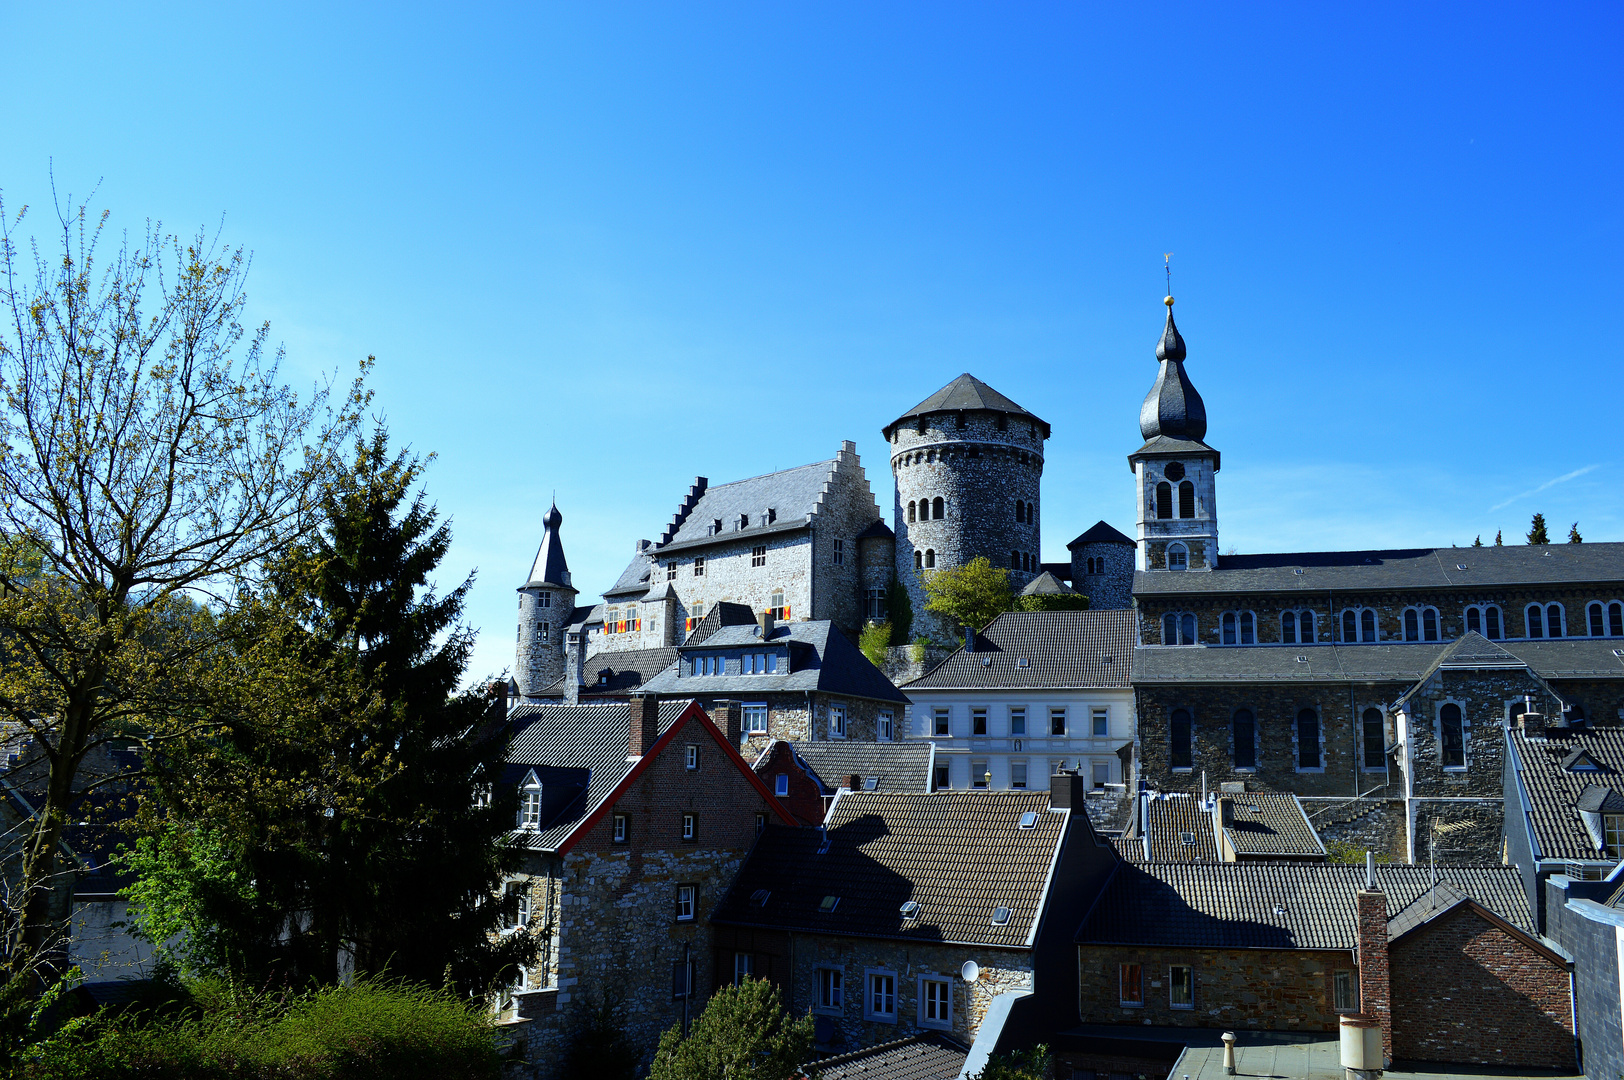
[[870, 783], [1187, 839], [823, 843], [1460, 566], [1000, 916], [1029, 819], [759, 897], [910, 909], [829, 903], [1022, 662]]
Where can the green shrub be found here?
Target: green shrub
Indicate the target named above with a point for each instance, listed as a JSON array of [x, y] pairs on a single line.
[[743, 1034], [368, 1031], [1030, 1064], [898, 610], [916, 651], [873, 641]]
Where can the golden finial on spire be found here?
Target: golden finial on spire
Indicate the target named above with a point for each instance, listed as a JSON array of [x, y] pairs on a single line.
[[1167, 261]]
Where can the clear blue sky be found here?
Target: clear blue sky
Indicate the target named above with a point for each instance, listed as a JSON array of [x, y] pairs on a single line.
[[604, 248]]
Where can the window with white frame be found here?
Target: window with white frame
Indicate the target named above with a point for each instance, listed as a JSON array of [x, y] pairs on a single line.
[[1017, 722], [685, 903], [1178, 557], [874, 605], [978, 772], [1057, 720], [671, 571], [1359, 625], [943, 778], [781, 785], [1612, 832], [1180, 986], [755, 717], [516, 895], [623, 828], [1102, 722], [1017, 773], [885, 726], [1102, 773], [699, 566], [682, 978], [1545, 620], [935, 1002], [1239, 628], [837, 721], [530, 804], [978, 721], [1421, 624], [776, 605], [758, 555], [940, 715], [831, 990], [690, 826], [1345, 991], [1178, 628], [690, 756], [1297, 628], [880, 1003], [1485, 619]]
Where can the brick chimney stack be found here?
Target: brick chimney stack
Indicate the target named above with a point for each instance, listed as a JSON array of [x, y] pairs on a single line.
[[1375, 988], [728, 716], [645, 723], [1533, 724], [854, 782]]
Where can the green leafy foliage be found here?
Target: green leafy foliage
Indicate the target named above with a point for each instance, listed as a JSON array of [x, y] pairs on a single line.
[[1350, 853], [1536, 531], [1499, 538], [1052, 602], [1477, 541], [970, 595], [367, 1031], [873, 641], [598, 1046], [1033, 1063], [899, 610], [743, 1034]]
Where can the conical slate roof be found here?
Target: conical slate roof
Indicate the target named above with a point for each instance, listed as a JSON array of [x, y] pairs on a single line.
[[965, 394], [550, 567], [1101, 533], [1172, 408]]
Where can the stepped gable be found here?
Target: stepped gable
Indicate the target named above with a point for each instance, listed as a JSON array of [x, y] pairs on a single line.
[[966, 394], [769, 504]]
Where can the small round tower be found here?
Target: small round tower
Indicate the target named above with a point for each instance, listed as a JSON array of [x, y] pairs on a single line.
[[546, 601], [968, 464]]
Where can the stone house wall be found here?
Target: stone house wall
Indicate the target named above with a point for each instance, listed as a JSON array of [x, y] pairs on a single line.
[[1371, 824], [1261, 989], [793, 966], [1464, 990], [544, 615], [979, 464], [1601, 699]]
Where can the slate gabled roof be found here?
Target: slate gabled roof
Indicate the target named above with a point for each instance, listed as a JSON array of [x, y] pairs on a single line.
[[1387, 662], [1274, 905], [1553, 792], [927, 1056], [1101, 533], [1060, 648], [791, 494], [1402, 568], [895, 766], [965, 394], [823, 660], [959, 855], [627, 671], [1046, 584], [634, 579]]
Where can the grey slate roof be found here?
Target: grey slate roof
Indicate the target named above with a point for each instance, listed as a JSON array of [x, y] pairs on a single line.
[[965, 394], [633, 579], [929, 1056], [1438, 900], [895, 766], [822, 659], [1274, 905], [626, 671], [792, 494], [1101, 533], [549, 567], [595, 738], [1173, 408], [879, 528], [722, 613], [958, 855], [1269, 824], [1386, 661], [1060, 648], [1572, 657], [1405, 568], [1553, 792], [1179, 831], [1047, 584]]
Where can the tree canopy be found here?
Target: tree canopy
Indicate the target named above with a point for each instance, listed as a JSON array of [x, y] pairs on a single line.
[[970, 595], [743, 1034], [1536, 531]]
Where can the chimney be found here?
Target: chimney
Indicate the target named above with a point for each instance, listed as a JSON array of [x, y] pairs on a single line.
[[969, 638], [764, 622], [1533, 725], [1375, 993], [574, 665], [728, 716], [854, 782], [497, 692], [1068, 791], [645, 723]]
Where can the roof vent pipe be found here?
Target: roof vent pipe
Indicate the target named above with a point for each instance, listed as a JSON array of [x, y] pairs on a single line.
[[1370, 869]]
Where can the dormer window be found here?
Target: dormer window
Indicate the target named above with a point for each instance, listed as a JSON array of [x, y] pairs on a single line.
[[716, 526], [530, 804], [1612, 830]]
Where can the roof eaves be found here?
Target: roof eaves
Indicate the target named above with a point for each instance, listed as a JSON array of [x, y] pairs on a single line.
[[1048, 877]]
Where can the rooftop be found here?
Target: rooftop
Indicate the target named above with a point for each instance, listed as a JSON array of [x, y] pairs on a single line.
[[1268, 824], [930, 1056], [893, 766], [1101, 533], [1381, 662], [1553, 778], [1178, 830], [966, 394], [822, 659], [1036, 649], [616, 673], [1309, 1057]]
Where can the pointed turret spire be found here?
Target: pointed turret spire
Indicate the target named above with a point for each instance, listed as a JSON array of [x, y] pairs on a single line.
[[1172, 408], [550, 567]]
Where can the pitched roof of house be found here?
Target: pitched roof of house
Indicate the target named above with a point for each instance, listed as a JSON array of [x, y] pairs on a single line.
[[635, 578], [1031, 649], [966, 394], [1178, 830], [1268, 824], [960, 856], [791, 495], [823, 660], [894, 766], [927, 1056], [1274, 905], [722, 613], [1399, 568], [615, 673], [1553, 790], [1101, 533], [1046, 584]]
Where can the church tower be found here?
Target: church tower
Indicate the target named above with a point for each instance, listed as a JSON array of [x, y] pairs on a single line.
[[1176, 469], [546, 601]]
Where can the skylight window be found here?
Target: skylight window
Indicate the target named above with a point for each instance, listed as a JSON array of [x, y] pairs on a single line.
[[759, 897], [1000, 916], [1187, 839], [829, 903], [910, 909], [870, 783], [1022, 662], [1029, 819]]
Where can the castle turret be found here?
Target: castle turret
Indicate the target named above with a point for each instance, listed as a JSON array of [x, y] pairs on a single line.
[[546, 601], [1176, 469], [968, 463]]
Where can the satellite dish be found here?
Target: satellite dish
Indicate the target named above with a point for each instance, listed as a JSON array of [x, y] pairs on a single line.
[[970, 972]]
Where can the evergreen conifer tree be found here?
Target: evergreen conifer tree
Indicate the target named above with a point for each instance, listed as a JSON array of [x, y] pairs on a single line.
[[1536, 531], [1573, 535], [1499, 539], [1478, 540]]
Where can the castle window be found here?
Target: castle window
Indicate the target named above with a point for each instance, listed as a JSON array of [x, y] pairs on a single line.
[[936, 507], [910, 511], [1178, 557], [1375, 737], [1308, 740], [1552, 621], [1178, 628], [1239, 628], [874, 605], [1484, 620], [542, 631], [671, 571], [1014, 560], [919, 559], [699, 566], [919, 426], [1243, 728], [840, 552], [1180, 728], [1164, 501], [1186, 500], [1452, 736], [744, 521], [930, 558], [758, 555], [776, 605], [1020, 510]]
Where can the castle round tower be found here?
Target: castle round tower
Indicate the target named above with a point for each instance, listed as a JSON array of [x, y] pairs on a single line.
[[968, 463], [546, 602]]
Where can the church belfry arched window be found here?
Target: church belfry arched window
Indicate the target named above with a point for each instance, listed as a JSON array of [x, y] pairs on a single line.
[[1186, 500], [1164, 501]]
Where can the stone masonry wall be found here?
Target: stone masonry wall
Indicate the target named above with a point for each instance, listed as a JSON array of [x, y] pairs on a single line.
[[979, 464], [1111, 589], [1261, 989], [788, 719], [846, 507], [1372, 824], [1464, 990]]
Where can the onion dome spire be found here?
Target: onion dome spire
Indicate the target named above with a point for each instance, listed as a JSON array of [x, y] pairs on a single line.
[[550, 567], [1173, 408]]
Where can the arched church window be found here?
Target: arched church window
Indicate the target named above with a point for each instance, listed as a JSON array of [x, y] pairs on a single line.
[[1452, 736], [1308, 739], [1367, 625], [1243, 729], [1186, 500], [1544, 621], [1178, 557], [1239, 628], [936, 505], [1178, 628], [1187, 629], [1375, 739], [930, 558], [1350, 626], [1164, 501], [1305, 627], [911, 512], [1412, 625], [1180, 726]]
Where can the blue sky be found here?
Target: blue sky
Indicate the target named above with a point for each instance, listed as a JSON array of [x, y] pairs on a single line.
[[603, 248]]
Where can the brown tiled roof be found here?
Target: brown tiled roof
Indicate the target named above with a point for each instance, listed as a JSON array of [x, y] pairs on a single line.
[[1552, 791], [959, 855], [1031, 649], [931, 1056], [1269, 824], [1275, 905], [1130, 848], [1179, 830]]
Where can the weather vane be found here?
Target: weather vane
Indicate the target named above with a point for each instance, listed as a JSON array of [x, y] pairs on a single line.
[[1167, 261]]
